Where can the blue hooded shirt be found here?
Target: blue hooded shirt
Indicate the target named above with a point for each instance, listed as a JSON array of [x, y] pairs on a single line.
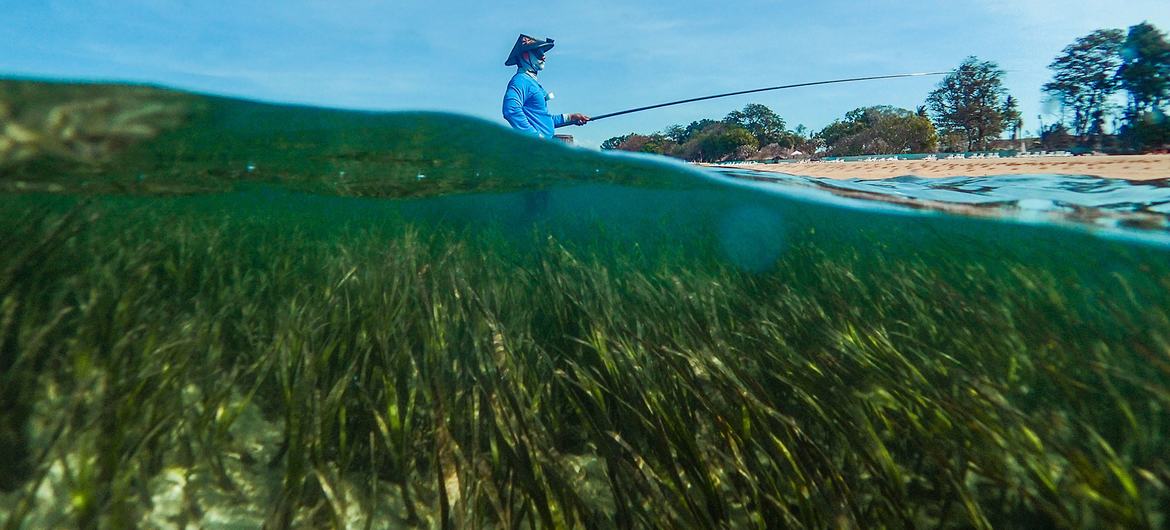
[[526, 107]]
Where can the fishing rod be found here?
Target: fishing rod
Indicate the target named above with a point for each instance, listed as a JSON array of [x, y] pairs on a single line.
[[681, 101]]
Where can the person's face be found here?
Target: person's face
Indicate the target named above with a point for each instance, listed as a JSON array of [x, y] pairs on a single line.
[[537, 57]]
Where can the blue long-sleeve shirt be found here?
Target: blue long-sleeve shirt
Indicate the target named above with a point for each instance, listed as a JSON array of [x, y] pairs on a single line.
[[526, 107]]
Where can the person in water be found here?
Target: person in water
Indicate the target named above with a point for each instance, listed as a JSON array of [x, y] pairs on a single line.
[[525, 101]]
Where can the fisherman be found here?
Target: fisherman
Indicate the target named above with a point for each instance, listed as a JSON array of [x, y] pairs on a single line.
[[525, 101]]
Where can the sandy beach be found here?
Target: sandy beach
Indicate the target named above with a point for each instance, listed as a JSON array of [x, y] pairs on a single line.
[[1130, 167]]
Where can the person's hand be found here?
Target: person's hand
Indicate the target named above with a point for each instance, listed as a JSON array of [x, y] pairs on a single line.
[[578, 119]]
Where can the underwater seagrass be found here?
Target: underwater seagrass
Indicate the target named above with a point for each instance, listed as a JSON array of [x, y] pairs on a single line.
[[574, 340], [79, 124]]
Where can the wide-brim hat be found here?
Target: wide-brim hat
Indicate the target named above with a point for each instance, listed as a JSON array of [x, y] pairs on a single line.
[[524, 43]]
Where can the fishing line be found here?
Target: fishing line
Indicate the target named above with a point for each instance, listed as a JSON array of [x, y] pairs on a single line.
[[681, 101]]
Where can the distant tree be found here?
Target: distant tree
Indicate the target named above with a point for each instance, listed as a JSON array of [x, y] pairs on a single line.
[[971, 101], [791, 139], [676, 133], [879, 130], [703, 140], [762, 122], [1084, 78], [696, 127], [745, 152], [1012, 119], [614, 142], [839, 136], [1056, 137], [800, 139], [632, 142], [1145, 75], [716, 142], [952, 141], [809, 146], [803, 140], [1145, 68], [658, 144], [1151, 130], [727, 142], [640, 143], [772, 151]]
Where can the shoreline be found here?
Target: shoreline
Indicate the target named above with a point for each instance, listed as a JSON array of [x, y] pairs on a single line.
[[1128, 167]]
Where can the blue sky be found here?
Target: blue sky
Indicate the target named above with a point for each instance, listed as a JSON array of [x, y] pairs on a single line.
[[610, 55]]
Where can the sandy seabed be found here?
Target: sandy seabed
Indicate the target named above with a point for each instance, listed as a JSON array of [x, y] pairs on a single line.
[[1130, 167]]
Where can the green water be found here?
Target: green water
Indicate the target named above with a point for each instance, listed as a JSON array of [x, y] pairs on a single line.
[[204, 322]]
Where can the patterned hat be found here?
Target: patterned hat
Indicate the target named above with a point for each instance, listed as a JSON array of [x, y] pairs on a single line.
[[524, 43]]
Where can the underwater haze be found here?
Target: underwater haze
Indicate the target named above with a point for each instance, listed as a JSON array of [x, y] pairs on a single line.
[[223, 313]]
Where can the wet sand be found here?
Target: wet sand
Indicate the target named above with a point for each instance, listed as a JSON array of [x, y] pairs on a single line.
[[1129, 167]]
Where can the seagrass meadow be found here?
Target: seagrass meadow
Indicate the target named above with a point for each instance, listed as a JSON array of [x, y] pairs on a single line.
[[218, 313]]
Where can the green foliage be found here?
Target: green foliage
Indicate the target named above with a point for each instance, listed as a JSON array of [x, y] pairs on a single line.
[[677, 134], [1084, 78], [741, 133], [655, 143], [762, 122], [971, 101], [697, 126], [658, 144], [633, 142], [1145, 68], [1056, 137], [1011, 116], [614, 142], [680, 135], [716, 142], [879, 130], [1148, 130], [1093, 67]]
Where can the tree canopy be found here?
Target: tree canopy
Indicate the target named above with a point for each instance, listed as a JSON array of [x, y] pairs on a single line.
[[763, 123], [1145, 68], [1085, 76], [972, 101], [1088, 73], [740, 134], [879, 130], [616, 141]]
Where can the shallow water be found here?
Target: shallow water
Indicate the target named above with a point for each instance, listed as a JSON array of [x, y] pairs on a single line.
[[219, 312], [1132, 210]]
